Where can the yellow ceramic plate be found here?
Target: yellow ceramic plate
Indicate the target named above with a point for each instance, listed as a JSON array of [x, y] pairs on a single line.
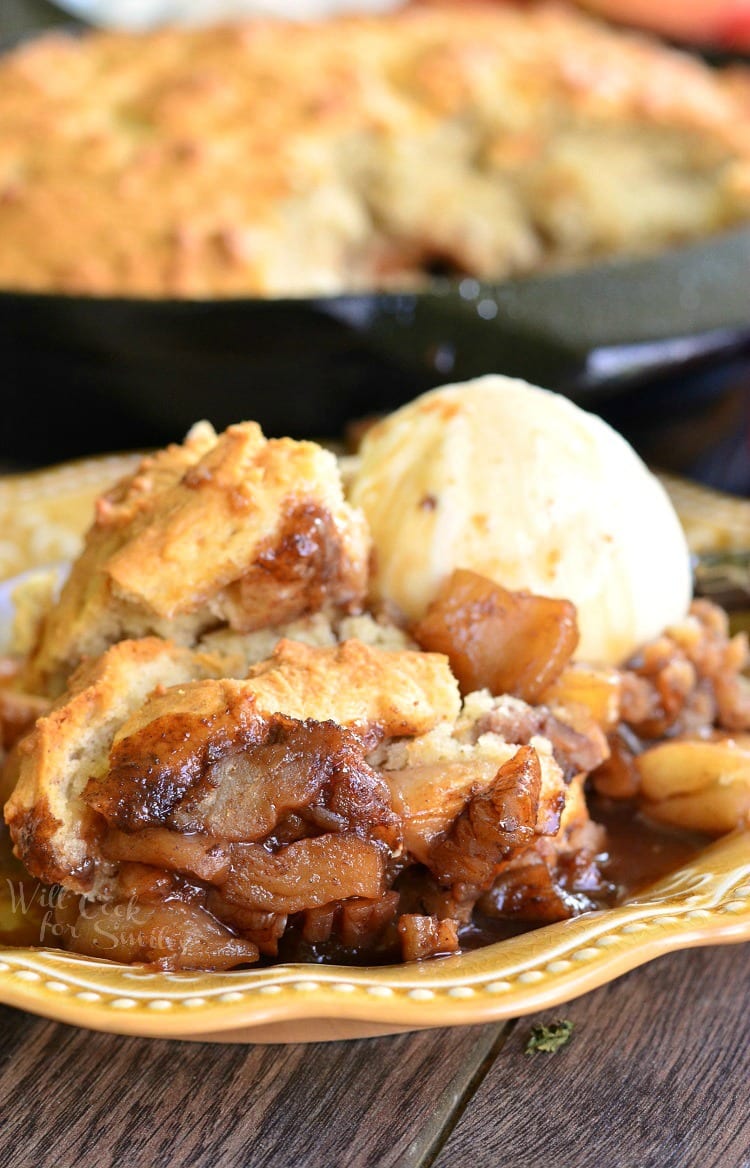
[[707, 902]]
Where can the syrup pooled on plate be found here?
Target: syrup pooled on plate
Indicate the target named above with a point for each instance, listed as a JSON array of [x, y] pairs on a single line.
[[638, 853]]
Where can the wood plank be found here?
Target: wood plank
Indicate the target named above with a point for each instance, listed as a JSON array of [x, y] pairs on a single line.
[[655, 1076], [76, 1098]]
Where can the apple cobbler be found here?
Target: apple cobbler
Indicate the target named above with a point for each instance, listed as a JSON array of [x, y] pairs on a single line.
[[222, 749], [274, 159]]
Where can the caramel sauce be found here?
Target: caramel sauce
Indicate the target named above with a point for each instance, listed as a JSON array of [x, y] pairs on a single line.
[[638, 854]]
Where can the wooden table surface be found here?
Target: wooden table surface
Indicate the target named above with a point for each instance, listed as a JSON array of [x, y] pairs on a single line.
[[657, 1074]]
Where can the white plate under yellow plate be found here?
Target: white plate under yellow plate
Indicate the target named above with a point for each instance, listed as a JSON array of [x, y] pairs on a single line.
[[706, 902]]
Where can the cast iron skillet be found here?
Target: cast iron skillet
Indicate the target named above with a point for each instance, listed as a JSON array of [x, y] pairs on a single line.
[[636, 340], [84, 374], [639, 341]]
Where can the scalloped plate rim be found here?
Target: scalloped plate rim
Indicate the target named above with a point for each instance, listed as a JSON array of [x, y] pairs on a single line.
[[705, 902]]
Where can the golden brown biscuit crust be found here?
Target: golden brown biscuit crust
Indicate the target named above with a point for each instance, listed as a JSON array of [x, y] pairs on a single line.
[[52, 828], [232, 530], [276, 158], [139, 683], [392, 692]]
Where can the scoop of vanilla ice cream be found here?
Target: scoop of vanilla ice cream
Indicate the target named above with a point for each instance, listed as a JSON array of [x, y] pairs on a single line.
[[521, 485]]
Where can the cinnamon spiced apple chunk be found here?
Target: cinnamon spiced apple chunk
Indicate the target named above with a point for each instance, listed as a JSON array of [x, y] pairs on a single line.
[[233, 531], [239, 814], [253, 798], [480, 810], [54, 830], [507, 642]]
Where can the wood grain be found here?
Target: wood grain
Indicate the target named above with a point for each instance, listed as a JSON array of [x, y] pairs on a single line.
[[76, 1098], [657, 1075]]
